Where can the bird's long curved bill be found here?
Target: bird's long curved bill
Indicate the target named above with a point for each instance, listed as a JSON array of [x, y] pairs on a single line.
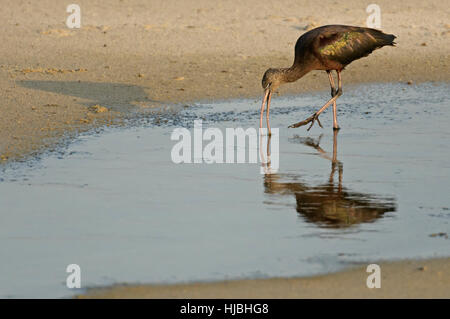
[[265, 99]]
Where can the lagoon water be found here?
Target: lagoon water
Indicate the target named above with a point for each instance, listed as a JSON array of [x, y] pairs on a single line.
[[115, 204]]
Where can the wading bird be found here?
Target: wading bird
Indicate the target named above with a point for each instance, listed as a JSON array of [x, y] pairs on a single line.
[[328, 48]]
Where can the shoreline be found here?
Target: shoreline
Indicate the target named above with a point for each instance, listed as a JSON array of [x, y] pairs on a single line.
[[415, 278], [43, 127]]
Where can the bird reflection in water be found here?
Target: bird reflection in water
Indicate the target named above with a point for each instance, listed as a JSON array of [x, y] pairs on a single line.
[[330, 204]]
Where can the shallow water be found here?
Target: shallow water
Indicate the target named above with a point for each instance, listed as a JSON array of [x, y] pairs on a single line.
[[115, 204]]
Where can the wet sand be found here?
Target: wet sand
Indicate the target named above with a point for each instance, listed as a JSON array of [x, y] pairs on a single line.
[[405, 279], [136, 55]]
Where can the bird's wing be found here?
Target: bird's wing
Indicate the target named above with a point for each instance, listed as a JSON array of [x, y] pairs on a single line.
[[348, 45]]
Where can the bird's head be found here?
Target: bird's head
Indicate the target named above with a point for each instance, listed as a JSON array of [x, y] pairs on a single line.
[[272, 79]]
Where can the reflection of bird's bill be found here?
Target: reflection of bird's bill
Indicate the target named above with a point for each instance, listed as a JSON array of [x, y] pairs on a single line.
[[266, 165]]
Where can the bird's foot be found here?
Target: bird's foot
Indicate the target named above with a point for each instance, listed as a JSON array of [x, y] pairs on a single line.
[[311, 119], [315, 118]]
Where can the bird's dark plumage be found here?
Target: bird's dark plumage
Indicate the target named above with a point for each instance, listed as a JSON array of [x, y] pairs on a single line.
[[335, 46]]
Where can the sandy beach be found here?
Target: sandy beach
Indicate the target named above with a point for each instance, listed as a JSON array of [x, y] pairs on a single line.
[[405, 279], [132, 56]]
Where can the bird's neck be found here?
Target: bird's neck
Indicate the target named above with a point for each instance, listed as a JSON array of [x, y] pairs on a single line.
[[293, 73]]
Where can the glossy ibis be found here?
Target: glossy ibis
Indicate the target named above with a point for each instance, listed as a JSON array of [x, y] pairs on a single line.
[[328, 48]]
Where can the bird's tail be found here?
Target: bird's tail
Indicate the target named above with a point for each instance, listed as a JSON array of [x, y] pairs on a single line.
[[383, 38], [389, 39]]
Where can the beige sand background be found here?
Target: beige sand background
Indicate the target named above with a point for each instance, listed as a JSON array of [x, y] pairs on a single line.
[[135, 55], [405, 279], [131, 56]]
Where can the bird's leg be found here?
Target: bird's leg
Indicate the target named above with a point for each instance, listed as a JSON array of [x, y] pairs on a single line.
[[333, 93], [315, 116], [333, 88], [335, 123], [269, 97]]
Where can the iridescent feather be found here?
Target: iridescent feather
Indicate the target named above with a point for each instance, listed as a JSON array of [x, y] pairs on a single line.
[[349, 45]]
